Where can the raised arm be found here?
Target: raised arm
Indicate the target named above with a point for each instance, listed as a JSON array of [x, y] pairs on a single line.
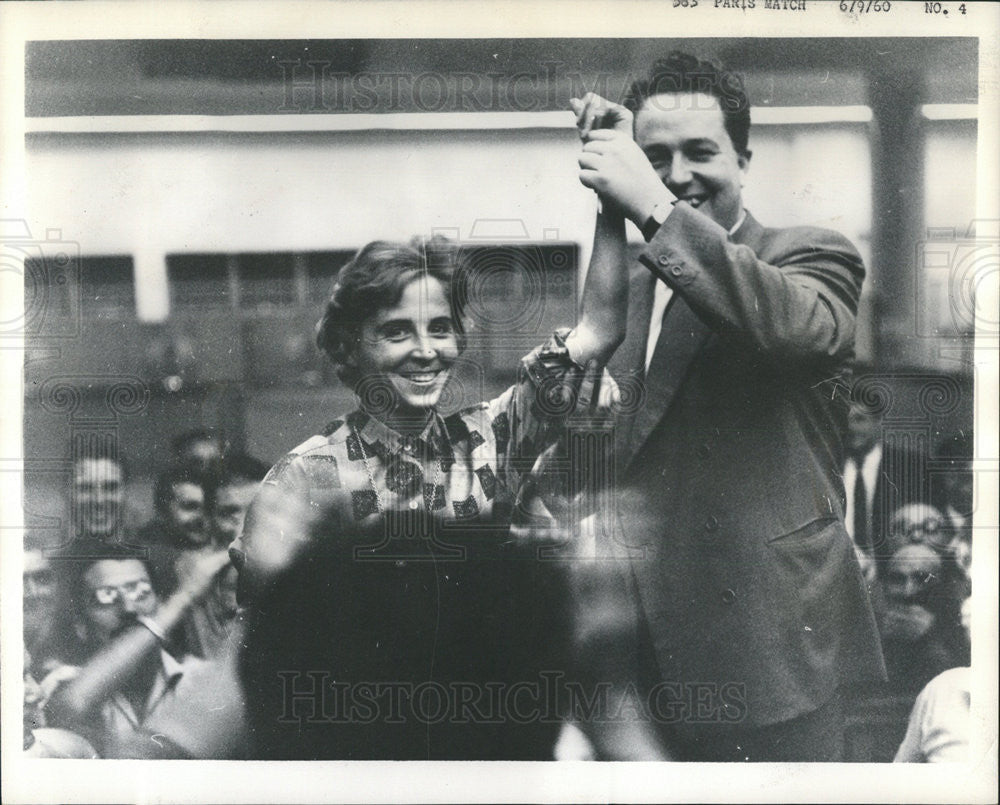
[[122, 658], [604, 305], [794, 298]]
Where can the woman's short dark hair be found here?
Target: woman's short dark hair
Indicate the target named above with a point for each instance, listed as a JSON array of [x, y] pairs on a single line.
[[374, 280], [683, 73]]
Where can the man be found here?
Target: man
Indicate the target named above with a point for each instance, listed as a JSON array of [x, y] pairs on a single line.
[[878, 479], [921, 629], [728, 490], [213, 627], [178, 527], [237, 483], [199, 451], [39, 591], [136, 695], [179, 506], [914, 524], [97, 506]]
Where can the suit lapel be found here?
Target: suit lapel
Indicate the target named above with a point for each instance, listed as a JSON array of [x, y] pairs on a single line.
[[626, 365], [681, 338], [750, 233], [630, 356]]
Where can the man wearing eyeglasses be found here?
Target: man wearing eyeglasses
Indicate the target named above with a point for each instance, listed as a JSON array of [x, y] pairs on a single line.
[[139, 695]]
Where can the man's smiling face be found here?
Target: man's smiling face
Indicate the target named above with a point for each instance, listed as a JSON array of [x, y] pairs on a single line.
[[685, 138]]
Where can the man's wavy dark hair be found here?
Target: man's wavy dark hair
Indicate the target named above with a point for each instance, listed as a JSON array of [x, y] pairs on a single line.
[[682, 72]]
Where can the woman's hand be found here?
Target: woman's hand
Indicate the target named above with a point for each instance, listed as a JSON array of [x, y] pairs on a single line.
[[594, 112], [598, 395], [612, 164]]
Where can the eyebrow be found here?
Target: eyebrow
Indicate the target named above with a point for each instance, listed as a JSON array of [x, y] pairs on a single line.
[[398, 322], [701, 142], [697, 142]]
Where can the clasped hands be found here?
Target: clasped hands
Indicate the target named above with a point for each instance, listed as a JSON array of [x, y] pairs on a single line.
[[612, 164]]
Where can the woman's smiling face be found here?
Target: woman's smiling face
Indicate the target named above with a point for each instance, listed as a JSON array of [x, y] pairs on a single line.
[[408, 350]]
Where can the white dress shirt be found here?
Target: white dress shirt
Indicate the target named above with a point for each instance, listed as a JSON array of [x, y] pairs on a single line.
[[869, 471]]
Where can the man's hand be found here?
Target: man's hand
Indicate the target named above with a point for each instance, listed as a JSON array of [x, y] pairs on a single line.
[[908, 623], [599, 396], [54, 678], [614, 166], [195, 573]]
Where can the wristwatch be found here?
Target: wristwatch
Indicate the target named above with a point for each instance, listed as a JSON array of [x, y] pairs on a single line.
[[660, 212]]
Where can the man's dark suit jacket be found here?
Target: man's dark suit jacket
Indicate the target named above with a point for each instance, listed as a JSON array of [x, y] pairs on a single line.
[[729, 492]]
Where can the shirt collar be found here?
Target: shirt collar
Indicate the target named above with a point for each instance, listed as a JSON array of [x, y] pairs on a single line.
[[739, 222], [385, 441], [173, 669]]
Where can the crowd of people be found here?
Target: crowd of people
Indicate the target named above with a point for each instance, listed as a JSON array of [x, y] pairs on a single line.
[[411, 583], [92, 689], [131, 634], [914, 543]]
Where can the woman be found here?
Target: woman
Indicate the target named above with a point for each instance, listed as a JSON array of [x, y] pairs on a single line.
[[379, 554]]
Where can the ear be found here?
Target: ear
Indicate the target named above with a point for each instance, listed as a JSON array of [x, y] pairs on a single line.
[[350, 349], [743, 160], [462, 333]]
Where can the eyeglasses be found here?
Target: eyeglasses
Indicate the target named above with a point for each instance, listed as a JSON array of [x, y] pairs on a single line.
[[134, 591], [929, 526]]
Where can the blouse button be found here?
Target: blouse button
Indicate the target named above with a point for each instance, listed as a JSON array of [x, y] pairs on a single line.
[[414, 504]]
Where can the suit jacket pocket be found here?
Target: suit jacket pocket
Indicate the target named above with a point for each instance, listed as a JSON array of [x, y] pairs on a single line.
[[804, 535], [810, 562]]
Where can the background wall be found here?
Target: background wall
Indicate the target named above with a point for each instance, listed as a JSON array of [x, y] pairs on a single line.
[[205, 253]]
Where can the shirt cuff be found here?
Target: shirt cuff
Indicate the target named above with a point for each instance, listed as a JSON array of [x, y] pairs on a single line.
[[652, 226], [553, 372], [155, 628]]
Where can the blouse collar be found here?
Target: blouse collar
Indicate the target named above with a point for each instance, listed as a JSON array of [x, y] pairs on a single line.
[[385, 441]]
